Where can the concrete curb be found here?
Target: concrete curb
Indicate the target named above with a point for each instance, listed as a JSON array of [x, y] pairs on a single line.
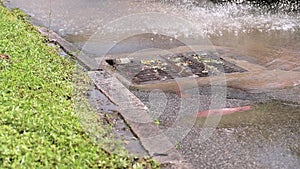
[[135, 115]]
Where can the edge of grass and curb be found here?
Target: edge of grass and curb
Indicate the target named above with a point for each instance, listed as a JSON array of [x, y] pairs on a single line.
[[39, 121]]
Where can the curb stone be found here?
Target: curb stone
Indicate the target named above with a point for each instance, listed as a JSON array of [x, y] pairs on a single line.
[[151, 137]]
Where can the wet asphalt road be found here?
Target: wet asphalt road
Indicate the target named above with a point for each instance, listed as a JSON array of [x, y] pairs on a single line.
[[265, 137]]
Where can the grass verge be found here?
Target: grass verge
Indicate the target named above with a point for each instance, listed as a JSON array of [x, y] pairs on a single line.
[[39, 125]]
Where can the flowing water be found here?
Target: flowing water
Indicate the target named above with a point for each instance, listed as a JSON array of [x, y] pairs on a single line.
[[267, 37], [261, 34]]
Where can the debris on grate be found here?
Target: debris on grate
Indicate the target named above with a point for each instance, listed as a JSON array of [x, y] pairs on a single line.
[[168, 67]]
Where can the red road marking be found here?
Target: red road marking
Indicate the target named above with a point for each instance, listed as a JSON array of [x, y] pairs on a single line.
[[224, 111]]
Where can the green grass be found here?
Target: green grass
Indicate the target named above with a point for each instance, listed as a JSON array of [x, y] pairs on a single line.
[[40, 126]]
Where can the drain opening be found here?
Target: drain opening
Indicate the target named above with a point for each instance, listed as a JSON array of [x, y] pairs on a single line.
[[168, 67]]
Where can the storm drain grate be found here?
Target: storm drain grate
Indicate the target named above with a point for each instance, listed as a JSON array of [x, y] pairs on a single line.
[[141, 70]]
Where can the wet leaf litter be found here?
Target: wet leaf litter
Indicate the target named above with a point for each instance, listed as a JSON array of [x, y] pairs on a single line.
[[168, 67]]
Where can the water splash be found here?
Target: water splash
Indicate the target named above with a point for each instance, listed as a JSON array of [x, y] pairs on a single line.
[[240, 17]]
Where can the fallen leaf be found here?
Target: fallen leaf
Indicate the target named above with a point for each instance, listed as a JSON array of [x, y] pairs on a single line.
[[4, 56]]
